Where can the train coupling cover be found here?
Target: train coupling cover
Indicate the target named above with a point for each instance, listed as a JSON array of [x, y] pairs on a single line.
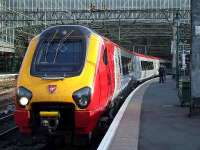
[[49, 120]]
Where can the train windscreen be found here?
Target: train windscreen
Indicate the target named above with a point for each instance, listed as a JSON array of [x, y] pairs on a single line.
[[59, 57]]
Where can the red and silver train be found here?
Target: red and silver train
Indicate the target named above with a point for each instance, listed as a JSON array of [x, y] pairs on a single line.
[[71, 76]]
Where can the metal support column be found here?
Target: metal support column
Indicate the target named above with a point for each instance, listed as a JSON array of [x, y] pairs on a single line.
[[195, 56], [177, 22]]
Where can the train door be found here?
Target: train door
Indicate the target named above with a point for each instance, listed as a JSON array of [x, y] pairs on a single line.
[[105, 77], [117, 71], [110, 70], [107, 62], [137, 68], [155, 67]]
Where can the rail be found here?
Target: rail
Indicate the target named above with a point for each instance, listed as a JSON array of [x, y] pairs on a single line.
[[6, 123], [6, 117], [7, 82], [7, 102], [8, 131], [7, 87]]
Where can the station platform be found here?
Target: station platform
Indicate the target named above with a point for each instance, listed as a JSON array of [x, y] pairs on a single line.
[[154, 120]]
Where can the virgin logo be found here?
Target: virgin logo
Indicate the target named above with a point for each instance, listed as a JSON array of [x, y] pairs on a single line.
[[52, 88]]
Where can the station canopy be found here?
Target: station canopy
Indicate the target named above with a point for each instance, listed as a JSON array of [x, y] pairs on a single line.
[[145, 26], [99, 4]]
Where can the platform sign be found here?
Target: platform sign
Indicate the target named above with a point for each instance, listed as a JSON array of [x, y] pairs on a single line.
[[195, 61]]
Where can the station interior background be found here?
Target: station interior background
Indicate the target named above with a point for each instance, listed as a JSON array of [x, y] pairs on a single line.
[[152, 27]]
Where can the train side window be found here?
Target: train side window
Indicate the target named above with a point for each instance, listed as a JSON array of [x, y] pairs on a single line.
[[146, 65], [126, 65], [143, 65], [105, 57]]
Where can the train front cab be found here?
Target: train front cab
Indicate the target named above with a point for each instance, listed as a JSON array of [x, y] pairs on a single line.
[[71, 100]]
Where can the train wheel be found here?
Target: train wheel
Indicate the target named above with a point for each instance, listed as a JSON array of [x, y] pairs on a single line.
[[82, 140], [56, 140], [104, 123]]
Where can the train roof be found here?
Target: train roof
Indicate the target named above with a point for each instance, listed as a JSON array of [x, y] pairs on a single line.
[[80, 30], [145, 56], [132, 52]]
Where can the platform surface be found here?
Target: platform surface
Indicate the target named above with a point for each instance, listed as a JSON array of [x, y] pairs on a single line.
[[154, 120]]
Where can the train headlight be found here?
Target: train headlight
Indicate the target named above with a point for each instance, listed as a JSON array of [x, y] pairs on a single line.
[[23, 101], [23, 96], [82, 97]]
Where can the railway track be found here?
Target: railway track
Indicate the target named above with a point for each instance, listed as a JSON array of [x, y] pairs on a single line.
[[8, 131], [6, 117], [7, 102], [7, 108], [7, 124]]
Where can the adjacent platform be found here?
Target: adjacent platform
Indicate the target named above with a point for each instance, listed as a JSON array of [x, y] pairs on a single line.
[[154, 120]]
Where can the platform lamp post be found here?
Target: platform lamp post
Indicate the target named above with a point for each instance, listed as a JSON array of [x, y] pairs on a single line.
[[177, 24]]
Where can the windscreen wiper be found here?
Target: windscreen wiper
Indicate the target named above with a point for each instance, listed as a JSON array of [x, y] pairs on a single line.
[[50, 41], [61, 42]]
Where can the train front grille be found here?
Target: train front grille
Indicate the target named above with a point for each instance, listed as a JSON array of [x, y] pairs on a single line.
[[66, 120]]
